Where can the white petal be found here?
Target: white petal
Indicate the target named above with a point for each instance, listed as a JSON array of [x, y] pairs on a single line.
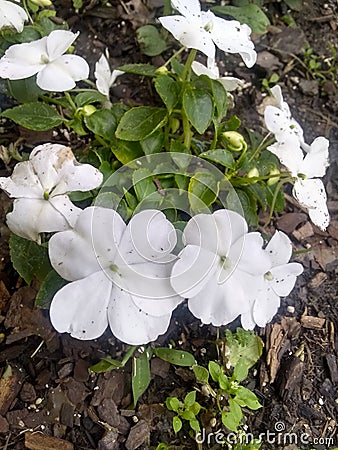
[[23, 60], [200, 69], [102, 74], [61, 74], [311, 194], [265, 306], [317, 159], [247, 321], [279, 249], [149, 236], [46, 160], [190, 35], [231, 83], [193, 270], [130, 324], [66, 208], [58, 42], [232, 37], [80, 308], [12, 16], [188, 8], [289, 153], [33, 216], [284, 278], [23, 182], [91, 246]]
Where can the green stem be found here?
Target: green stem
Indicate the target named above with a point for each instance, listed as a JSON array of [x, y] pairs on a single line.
[[278, 188], [187, 66], [187, 133], [174, 56], [260, 147], [24, 3], [70, 101]]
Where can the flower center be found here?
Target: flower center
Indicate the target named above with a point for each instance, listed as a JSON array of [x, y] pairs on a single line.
[[302, 176], [46, 195], [44, 59], [114, 268], [268, 276], [208, 26]]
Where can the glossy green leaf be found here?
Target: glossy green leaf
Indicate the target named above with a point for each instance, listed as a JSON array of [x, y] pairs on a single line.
[[89, 97], [194, 424], [143, 183], [246, 398], [139, 123], [296, 5], [34, 116], [214, 370], [153, 144], [48, 288], [201, 373], [198, 107], [146, 70], [126, 151], [220, 98], [150, 40], [168, 89], [106, 365], [250, 14], [29, 259], [102, 123], [176, 357], [190, 399], [219, 156], [173, 404], [177, 424], [141, 375], [232, 419], [202, 191], [25, 91]]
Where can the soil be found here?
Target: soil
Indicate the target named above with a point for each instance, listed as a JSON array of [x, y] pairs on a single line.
[[49, 399]]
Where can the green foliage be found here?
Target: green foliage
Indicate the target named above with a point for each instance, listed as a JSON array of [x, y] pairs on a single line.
[[141, 374], [29, 259], [186, 410], [198, 107], [150, 40], [35, 116], [140, 122], [48, 288], [176, 357]]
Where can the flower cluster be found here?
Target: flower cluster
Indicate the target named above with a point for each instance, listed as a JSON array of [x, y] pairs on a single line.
[[307, 163]]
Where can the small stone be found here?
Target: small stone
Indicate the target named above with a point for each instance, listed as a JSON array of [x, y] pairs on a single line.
[[290, 309]]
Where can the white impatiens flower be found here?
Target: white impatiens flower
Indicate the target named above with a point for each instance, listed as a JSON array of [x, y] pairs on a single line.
[[216, 270], [45, 57], [104, 77], [277, 282], [307, 163], [212, 71], [12, 16], [119, 276], [40, 186], [203, 30]]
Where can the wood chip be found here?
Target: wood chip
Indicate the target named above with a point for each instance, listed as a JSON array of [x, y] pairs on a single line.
[[317, 280], [331, 361], [304, 232], [138, 435], [10, 385], [313, 323], [39, 441]]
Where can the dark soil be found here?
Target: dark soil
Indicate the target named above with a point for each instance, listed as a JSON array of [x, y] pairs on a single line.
[[49, 399]]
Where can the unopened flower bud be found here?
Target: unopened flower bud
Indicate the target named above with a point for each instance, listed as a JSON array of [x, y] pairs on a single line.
[[42, 3], [174, 124], [274, 178], [162, 71], [253, 173], [86, 110], [234, 141]]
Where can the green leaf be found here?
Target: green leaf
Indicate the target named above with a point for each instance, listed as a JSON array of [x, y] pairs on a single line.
[[187, 415], [241, 370], [139, 123], [201, 373], [220, 98], [106, 365], [177, 357], [214, 370], [162, 446], [223, 381], [173, 404], [25, 91], [168, 89], [143, 183], [153, 144], [190, 399], [34, 116], [102, 123], [177, 424], [150, 40], [49, 287], [232, 419], [141, 375], [126, 151], [280, 199], [250, 14], [220, 156], [29, 259], [232, 124], [146, 70], [202, 191], [296, 5], [89, 97], [198, 107], [245, 397], [194, 425], [243, 346]]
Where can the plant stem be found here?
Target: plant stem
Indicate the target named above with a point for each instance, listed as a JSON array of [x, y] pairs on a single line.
[[70, 101]]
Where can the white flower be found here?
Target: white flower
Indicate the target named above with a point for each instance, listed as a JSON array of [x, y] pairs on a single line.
[[45, 57], [216, 268], [307, 163], [40, 186], [119, 276], [104, 77], [203, 30], [212, 71], [12, 16], [278, 281]]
